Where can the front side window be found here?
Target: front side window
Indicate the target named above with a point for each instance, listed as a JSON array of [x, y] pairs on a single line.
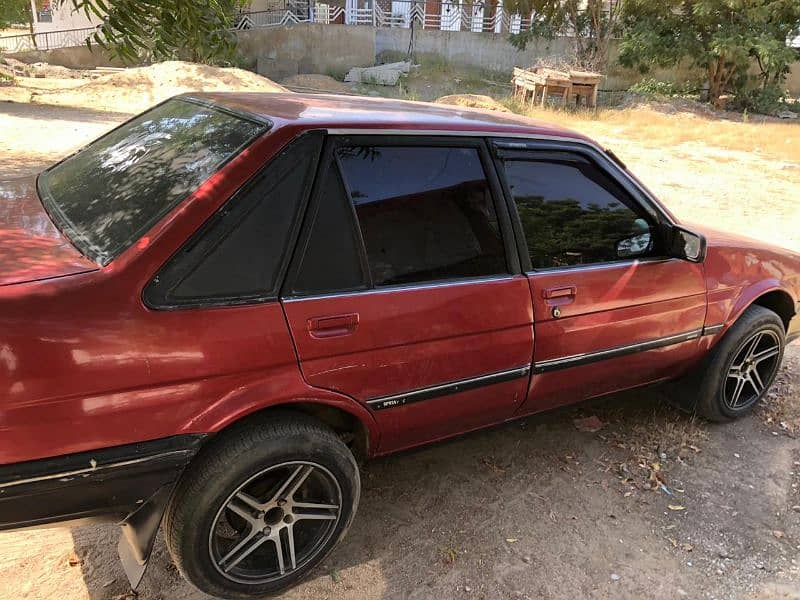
[[107, 195], [572, 213], [425, 213]]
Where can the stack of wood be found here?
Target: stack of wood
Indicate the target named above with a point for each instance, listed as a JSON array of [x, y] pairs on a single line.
[[537, 84]]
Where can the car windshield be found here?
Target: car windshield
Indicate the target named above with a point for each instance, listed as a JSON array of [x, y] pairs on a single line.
[[107, 195]]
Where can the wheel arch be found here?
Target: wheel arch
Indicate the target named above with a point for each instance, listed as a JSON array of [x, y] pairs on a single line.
[[780, 302], [770, 294], [349, 420]]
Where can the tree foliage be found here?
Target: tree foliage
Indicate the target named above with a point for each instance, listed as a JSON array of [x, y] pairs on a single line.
[[724, 37], [15, 12], [591, 23], [163, 29]]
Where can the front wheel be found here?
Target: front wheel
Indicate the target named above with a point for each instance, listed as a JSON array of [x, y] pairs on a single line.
[[261, 506], [742, 366]]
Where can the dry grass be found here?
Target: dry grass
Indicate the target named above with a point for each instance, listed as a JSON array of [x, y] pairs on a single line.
[[769, 138]]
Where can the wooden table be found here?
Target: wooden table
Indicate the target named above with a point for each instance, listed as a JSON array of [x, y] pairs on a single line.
[[537, 84]]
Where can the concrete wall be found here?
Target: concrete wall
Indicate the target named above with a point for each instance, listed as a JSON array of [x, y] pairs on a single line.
[[278, 52], [493, 52], [489, 51], [79, 57]]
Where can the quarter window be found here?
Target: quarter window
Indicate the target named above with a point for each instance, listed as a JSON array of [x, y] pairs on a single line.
[[237, 256], [425, 213], [572, 213]]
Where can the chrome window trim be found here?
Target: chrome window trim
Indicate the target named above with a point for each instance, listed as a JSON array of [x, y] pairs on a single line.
[[599, 266], [585, 358], [445, 389], [405, 287]]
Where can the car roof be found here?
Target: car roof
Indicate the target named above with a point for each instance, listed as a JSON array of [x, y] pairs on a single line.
[[331, 111]]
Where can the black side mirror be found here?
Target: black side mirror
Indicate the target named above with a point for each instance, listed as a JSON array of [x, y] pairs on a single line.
[[687, 245]]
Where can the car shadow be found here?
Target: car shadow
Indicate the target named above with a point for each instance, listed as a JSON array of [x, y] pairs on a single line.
[[498, 496]]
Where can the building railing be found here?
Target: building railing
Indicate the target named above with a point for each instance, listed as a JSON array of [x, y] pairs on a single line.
[[446, 15], [46, 40], [449, 15]]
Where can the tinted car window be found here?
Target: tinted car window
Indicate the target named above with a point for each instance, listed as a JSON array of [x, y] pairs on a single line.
[[110, 193], [238, 255], [425, 213], [573, 213], [332, 257]]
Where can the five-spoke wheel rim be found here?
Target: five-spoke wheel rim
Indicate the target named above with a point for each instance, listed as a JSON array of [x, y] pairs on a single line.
[[751, 370], [275, 522]]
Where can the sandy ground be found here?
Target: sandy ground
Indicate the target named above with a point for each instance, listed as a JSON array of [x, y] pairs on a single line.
[[535, 508]]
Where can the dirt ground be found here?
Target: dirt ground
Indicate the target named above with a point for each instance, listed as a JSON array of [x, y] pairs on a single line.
[[535, 508]]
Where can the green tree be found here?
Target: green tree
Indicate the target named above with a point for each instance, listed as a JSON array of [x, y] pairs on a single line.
[[724, 37], [163, 29], [592, 24], [15, 12]]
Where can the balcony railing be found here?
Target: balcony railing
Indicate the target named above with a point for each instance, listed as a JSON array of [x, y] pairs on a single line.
[[445, 15], [46, 40]]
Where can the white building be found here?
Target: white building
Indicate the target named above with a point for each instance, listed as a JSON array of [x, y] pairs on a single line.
[[50, 16]]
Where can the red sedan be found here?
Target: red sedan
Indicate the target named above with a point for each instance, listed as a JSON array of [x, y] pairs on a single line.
[[209, 313]]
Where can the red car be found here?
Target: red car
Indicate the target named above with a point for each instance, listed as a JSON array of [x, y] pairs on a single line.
[[209, 313]]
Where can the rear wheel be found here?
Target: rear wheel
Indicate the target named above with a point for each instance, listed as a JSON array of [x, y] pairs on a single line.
[[261, 506], [742, 366]]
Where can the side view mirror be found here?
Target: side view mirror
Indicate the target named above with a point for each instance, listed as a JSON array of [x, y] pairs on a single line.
[[687, 245]]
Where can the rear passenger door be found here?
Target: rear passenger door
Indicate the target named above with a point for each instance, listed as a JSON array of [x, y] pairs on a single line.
[[405, 291]]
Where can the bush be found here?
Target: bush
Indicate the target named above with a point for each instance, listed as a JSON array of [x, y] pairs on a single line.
[[654, 87], [765, 101]]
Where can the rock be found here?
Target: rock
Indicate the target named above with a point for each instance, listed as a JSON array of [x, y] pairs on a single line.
[[588, 424], [388, 74], [615, 577]]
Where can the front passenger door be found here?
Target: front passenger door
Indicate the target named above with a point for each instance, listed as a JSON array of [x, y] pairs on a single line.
[[611, 310]]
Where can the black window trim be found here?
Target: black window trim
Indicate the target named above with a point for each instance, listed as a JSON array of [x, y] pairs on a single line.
[[440, 139], [522, 149], [272, 295], [309, 217]]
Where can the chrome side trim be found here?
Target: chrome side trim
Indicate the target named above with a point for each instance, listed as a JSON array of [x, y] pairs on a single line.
[[590, 357], [712, 329], [93, 469], [446, 389]]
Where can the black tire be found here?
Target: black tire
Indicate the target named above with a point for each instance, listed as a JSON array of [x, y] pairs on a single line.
[[261, 452], [716, 392]]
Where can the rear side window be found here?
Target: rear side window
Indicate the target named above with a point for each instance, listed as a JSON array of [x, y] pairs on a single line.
[[425, 213], [107, 195], [238, 255]]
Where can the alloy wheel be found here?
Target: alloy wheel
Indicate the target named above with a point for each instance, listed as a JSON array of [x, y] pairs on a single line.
[[275, 522], [751, 370]]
